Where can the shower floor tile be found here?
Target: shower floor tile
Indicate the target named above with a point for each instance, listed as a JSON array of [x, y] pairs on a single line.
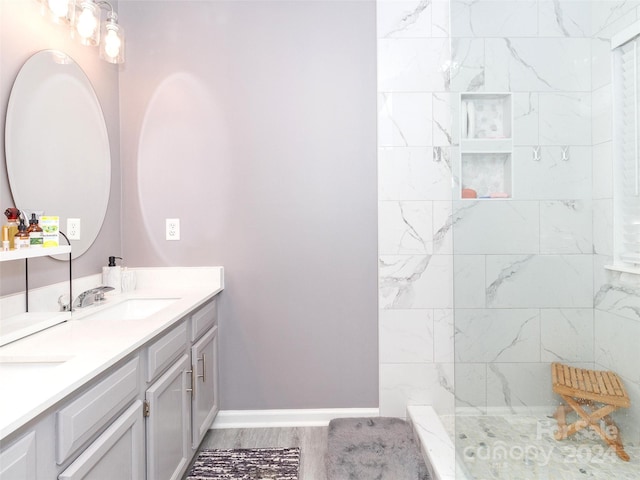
[[520, 447]]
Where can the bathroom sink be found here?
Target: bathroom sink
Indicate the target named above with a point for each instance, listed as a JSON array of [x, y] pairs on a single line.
[[132, 309], [27, 364]]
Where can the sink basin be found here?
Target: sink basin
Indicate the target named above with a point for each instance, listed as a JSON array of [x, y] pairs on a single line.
[[132, 309], [26, 364]]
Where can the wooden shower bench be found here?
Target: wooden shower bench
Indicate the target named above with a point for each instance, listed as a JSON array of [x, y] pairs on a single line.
[[579, 388]]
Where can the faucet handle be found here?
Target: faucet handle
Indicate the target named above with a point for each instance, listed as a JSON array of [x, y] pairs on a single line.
[[100, 291]]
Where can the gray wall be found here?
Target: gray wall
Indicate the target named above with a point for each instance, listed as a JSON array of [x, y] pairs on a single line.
[[23, 32], [255, 124]]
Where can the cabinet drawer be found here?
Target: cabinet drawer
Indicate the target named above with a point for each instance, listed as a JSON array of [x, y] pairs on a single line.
[[116, 454], [204, 319], [163, 352], [90, 412]]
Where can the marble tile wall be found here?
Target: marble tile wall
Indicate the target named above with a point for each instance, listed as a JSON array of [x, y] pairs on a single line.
[[415, 158], [498, 288]]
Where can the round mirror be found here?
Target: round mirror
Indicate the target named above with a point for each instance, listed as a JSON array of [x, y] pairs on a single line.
[[57, 147]]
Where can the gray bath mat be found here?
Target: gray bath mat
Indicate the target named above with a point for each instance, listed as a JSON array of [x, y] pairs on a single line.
[[246, 464], [373, 449]]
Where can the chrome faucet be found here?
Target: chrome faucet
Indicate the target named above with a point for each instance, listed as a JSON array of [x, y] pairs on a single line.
[[89, 297]]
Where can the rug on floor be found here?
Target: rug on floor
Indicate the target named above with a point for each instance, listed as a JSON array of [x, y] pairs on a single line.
[[246, 464], [373, 448]]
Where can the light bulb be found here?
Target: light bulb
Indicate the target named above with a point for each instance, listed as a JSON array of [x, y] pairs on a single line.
[[59, 8], [87, 23], [112, 43]]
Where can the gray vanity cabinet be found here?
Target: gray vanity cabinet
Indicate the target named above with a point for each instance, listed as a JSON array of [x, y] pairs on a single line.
[[142, 419], [183, 401]]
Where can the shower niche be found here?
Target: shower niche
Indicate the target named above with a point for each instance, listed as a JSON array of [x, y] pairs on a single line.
[[486, 146]]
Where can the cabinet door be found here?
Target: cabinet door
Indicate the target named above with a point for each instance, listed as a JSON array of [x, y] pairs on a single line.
[[117, 453], [18, 462], [204, 358], [169, 401]]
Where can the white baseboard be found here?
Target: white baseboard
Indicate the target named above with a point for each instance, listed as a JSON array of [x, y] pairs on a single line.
[[287, 418]]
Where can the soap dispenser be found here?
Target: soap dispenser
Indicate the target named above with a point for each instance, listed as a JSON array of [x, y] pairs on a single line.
[[112, 275]]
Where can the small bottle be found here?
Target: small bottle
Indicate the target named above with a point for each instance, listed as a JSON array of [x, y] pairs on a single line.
[[21, 239], [36, 238], [12, 224], [5, 238]]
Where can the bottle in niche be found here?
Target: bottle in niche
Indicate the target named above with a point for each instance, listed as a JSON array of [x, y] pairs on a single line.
[[21, 239], [36, 238]]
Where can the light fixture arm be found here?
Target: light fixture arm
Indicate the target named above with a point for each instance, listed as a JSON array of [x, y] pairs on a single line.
[[106, 5]]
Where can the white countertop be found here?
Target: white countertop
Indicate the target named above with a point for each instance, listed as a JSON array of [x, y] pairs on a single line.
[[90, 346]]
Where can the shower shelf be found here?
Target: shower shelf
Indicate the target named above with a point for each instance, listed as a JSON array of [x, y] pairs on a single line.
[[485, 116], [486, 145]]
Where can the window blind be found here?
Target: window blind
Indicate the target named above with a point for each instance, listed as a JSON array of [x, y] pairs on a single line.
[[628, 153]]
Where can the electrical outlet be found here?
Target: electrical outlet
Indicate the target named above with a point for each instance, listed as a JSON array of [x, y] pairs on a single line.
[[73, 228], [172, 228]]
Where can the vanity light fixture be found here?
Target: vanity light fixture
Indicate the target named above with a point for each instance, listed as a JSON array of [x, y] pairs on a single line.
[[60, 11], [84, 19], [112, 45], [87, 24]]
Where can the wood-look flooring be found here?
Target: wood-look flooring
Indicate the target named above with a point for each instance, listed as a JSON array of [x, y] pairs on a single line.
[[311, 440]]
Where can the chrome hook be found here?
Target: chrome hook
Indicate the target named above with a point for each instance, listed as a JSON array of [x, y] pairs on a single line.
[[536, 153], [437, 154]]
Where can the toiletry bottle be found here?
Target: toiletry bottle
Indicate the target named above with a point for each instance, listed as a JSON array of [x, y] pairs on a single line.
[[112, 275], [21, 239], [35, 232], [12, 223], [5, 238]]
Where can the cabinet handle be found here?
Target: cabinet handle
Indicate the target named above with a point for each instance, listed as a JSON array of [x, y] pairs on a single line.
[[191, 390], [204, 363]]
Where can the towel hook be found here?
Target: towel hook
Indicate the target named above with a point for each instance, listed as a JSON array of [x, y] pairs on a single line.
[[437, 154], [565, 153], [536, 153]]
